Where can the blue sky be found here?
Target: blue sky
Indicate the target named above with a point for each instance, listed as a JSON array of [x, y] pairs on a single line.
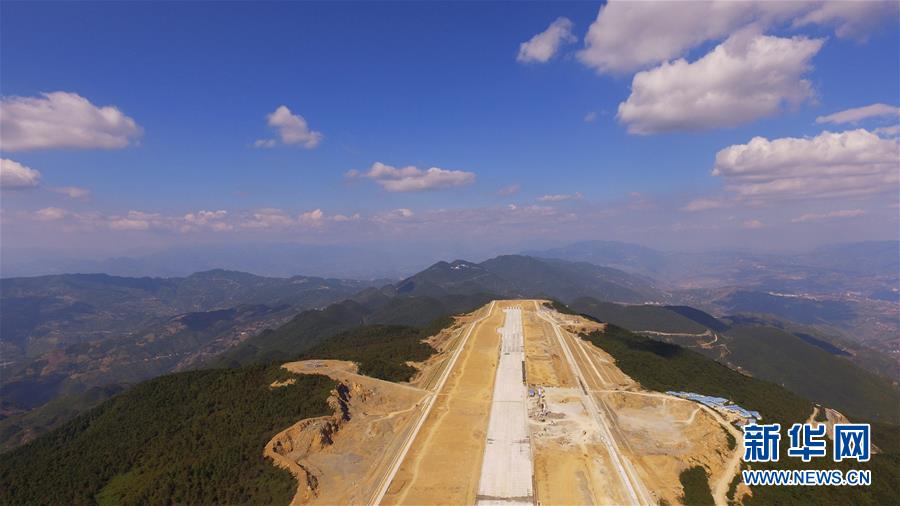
[[425, 85]]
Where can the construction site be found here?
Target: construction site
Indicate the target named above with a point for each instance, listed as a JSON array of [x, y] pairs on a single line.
[[514, 408]]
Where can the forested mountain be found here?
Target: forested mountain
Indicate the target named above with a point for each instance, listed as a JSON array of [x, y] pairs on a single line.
[[196, 437]]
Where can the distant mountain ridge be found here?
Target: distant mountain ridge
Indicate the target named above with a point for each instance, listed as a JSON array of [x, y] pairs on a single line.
[[132, 329], [63, 335], [868, 258], [524, 276]]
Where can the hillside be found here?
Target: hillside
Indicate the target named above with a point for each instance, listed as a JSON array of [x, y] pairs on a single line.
[[195, 437], [191, 438], [312, 327], [638, 317], [813, 372]]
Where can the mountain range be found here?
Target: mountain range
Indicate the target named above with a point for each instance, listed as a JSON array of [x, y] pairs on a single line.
[[70, 341]]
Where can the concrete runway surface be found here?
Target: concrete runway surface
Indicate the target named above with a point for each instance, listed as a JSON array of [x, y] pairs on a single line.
[[506, 471]]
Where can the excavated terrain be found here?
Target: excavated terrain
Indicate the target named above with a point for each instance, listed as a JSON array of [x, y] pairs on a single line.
[[596, 436]]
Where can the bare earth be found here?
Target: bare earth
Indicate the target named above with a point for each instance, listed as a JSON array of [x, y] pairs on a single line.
[[596, 436]]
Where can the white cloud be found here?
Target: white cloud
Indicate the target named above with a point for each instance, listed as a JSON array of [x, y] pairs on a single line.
[[62, 120], [855, 162], [590, 117], [15, 176], [543, 46], [858, 114], [559, 197], [292, 129], [312, 218], [890, 131], [213, 220], [343, 217], [135, 220], [630, 35], [50, 214], [73, 192], [704, 204], [851, 19], [747, 77], [412, 179], [843, 213], [267, 220], [508, 191]]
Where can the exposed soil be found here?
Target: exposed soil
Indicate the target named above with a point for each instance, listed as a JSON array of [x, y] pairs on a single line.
[[336, 458], [344, 458]]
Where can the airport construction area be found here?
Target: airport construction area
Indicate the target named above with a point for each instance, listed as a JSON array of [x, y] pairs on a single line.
[[514, 408]]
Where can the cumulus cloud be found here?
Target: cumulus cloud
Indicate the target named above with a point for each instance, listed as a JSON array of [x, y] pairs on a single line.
[[62, 120], [747, 77], [413, 179], [858, 114], [292, 130], [559, 197], [628, 35], [590, 117], [843, 213], [855, 162], [543, 46], [312, 218], [344, 217], [73, 192], [15, 176]]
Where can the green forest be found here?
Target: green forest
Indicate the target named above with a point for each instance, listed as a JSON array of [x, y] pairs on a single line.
[[380, 350], [186, 438], [197, 437]]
